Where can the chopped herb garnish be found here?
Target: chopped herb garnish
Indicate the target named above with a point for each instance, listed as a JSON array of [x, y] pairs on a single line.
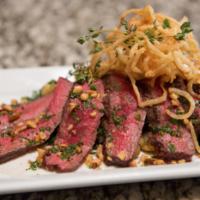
[[117, 120], [98, 64], [164, 129], [101, 132], [54, 149], [93, 87], [176, 121], [75, 116], [52, 82], [32, 142], [69, 151], [171, 148], [34, 165], [74, 95], [86, 104], [43, 129], [46, 117], [166, 23], [185, 29]]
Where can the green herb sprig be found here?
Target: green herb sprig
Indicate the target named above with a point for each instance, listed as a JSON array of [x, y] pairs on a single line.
[[185, 29], [34, 165], [92, 33], [166, 24]]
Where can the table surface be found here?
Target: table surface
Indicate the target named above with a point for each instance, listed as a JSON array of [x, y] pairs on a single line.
[[44, 33]]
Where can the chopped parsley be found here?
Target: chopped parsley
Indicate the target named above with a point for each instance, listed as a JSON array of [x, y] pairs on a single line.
[[176, 121], [117, 120], [75, 116], [74, 95], [171, 148], [34, 165], [86, 104], [93, 87], [185, 29], [52, 82], [166, 24], [101, 132], [69, 151], [164, 129], [46, 117], [54, 149], [32, 142], [43, 129]]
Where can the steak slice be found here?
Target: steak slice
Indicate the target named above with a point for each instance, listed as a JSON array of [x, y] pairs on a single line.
[[173, 147], [19, 138], [25, 111], [124, 121], [77, 132], [170, 138]]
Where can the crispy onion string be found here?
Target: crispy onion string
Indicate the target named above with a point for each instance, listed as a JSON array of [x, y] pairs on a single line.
[[187, 96]]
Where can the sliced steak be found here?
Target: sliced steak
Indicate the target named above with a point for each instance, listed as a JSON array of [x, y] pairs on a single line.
[[173, 147], [26, 135], [124, 121], [170, 137], [24, 111], [77, 132]]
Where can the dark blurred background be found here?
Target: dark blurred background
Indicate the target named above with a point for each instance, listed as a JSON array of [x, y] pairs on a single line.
[[44, 32]]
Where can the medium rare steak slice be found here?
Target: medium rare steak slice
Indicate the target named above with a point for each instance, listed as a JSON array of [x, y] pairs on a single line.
[[26, 135], [124, 121], [170, 138], [24, 111], [77, 132], [173, 146]]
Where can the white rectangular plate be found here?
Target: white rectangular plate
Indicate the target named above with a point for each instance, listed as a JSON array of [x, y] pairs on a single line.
[[14, 176]]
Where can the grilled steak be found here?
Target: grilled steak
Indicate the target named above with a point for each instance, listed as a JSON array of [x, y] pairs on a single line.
[[24, 111], [124, 121], [25, 135], [77, 132], [170, 137]]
